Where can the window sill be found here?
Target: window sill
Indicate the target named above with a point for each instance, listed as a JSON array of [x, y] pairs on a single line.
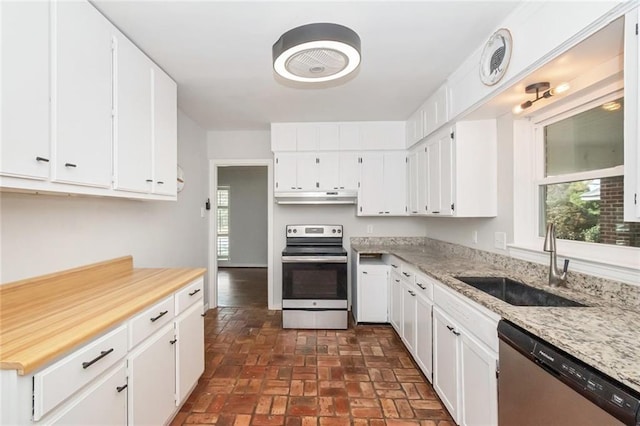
[[627, 270]]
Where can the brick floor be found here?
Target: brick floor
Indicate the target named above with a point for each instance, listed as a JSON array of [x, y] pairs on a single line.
[[257, 373]]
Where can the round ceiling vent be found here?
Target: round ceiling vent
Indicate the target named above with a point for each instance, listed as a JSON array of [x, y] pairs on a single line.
[[316, 52]]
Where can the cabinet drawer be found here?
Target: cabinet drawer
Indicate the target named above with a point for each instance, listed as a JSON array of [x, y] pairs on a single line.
[[425, 285], [62, 379], [189, 295], [145, 324], [468, 316]]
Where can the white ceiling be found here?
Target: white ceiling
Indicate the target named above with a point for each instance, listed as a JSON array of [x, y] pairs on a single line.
[[219, 53]]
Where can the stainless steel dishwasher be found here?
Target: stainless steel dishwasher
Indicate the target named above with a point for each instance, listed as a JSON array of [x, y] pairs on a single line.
[[540, 385]]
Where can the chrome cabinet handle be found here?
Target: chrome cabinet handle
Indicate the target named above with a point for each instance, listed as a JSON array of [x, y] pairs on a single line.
[[194, 292], [96, 359], [160, 315]]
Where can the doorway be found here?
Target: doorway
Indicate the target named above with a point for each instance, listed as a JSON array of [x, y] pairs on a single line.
[[240, 246]]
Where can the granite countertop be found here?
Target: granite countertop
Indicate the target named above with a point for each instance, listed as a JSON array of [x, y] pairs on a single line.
[[604, 336]]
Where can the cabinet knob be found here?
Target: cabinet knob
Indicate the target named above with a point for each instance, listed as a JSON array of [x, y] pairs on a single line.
[[42, 159], [121, 388], [70, 165]]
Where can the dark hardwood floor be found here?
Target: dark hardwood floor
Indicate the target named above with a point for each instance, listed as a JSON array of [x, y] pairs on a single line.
[[242, 287]]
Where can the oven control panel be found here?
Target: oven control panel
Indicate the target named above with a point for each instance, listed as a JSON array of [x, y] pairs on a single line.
[[314, 231]]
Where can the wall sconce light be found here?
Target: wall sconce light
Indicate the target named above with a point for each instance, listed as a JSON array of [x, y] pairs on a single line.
[[542, 90]]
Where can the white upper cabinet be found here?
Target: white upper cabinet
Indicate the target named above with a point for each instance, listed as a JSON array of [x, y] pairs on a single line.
[[382, 184], [431, 115], [306, 137], [165, 133], [283, 137], [133, 112], [328, 137], [412, 182], [349, 171], [631, 116], [381, 135], [82, 94], [24, 46], [328, 170], [349, 134]]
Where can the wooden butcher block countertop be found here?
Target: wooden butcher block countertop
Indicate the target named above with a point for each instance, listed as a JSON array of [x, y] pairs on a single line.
[[44, 317]]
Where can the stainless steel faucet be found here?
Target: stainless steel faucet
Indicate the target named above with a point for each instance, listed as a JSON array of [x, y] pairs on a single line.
[[555, 277]]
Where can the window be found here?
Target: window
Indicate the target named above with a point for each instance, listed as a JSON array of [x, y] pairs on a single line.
[[222, 220], [581, 187]]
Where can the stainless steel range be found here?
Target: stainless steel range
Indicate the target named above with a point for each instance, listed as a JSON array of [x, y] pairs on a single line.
[[314, 278]]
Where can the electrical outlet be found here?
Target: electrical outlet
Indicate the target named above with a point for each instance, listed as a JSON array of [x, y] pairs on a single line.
[[369, 229], [500, 240], [474, 237]]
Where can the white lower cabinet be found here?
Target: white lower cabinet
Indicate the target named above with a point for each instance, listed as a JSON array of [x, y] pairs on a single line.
[[152, 390], [373, 290], [104, 403], [423, 353], [396, 290], [465, 359], [189, 351], [409, 307]]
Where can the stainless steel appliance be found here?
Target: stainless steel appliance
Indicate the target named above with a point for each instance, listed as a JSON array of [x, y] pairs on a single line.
[[314, 278], [539, 384]]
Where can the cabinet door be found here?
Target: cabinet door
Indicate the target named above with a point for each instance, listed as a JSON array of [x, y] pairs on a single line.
[[371, 199], [424, 335], [423, 180], [82, 94], [349, 170], [307, 171], [328, 170], [286, 171], [133, 123], [433, 161], [24, 49], [152, 379], [412, 182], [189, 351], [409, 317], [478, 384], [395, 183], [307, 137], [373, 288], [447, 175], [441, 106], [328, 137], [104, 403], [396, 302], [349, 134], [446, 351], [283, 137], [165, 133]]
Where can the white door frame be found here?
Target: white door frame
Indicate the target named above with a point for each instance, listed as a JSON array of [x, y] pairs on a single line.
[[213, 229]]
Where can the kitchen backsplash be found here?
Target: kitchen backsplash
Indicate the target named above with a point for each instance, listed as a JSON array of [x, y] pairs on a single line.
[[614, 292]]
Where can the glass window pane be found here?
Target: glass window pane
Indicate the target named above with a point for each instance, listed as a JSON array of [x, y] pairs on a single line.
[[223, 221], [223, 197], [223, 248], [590, 140], [589, 210]]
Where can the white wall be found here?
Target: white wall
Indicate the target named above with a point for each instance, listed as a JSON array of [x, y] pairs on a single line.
[[248, 220], [241, 144], [459, 231], [42, 234]]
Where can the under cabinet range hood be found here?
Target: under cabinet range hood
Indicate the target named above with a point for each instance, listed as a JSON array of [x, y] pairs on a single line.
[[316, 197]]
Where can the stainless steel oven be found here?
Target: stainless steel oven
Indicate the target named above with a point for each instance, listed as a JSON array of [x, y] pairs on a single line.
[[314, 278]]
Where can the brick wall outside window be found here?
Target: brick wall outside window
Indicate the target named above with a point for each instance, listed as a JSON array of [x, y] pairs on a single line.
[[613, 228]]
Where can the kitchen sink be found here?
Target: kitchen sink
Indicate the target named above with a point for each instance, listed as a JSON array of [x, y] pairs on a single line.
[[517, 293]]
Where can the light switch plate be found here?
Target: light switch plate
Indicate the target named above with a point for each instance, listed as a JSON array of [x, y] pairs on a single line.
[[500, 240]]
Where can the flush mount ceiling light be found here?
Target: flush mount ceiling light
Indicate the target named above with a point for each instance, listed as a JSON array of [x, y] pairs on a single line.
[[537, 88], [316, 52]]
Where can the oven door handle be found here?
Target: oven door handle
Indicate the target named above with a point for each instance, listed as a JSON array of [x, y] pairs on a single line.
[[314, 259]]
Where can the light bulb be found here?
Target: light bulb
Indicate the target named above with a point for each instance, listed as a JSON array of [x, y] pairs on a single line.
[[517, 109], [560, 88]]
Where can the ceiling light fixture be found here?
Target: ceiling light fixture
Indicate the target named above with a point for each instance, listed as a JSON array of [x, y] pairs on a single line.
[[316, 52], [542, 90]]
